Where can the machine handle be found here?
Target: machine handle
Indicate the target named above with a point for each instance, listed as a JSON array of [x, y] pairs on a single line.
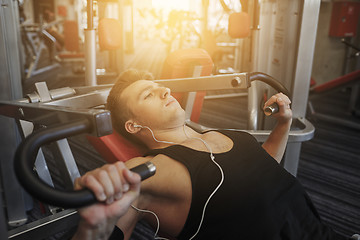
[[272, 109], [263, 77], [26, 155]]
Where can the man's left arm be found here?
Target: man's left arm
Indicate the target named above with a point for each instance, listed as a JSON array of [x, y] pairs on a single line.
[[275, 145]]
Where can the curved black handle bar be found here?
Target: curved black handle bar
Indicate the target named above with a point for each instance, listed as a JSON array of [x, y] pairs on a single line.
[[25, 158], [263, 77]]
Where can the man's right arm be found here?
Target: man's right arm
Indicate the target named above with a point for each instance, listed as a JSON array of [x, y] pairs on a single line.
[[116, 188]]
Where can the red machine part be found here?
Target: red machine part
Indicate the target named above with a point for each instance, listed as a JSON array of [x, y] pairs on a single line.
[[344, 19]]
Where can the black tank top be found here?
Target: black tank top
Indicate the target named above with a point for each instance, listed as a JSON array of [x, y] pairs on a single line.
[[258, 199]]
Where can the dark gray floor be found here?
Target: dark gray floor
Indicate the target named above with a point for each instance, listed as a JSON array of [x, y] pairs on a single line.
[[330, 163]]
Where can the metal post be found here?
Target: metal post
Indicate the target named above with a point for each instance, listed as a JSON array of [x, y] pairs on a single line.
[[90, 48], [283, 25], [255, 90], [65, 162], [128, 26], [301, 84], [10, 89], [309, 22]]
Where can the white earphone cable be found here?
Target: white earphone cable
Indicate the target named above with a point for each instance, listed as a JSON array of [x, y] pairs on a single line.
[[152, 133], [212, 157], [157, 221]]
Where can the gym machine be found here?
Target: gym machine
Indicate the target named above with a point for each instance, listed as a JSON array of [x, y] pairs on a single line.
[[33, 36], [66, 112]]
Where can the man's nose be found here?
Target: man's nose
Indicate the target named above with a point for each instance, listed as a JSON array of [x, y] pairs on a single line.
[[164, 92]]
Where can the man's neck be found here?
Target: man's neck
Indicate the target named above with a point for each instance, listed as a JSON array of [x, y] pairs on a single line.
[[168, 137]]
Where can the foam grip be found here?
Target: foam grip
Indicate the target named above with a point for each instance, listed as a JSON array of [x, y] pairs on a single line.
[[239, 25]]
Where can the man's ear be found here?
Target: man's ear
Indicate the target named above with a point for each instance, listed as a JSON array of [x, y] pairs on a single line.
[[129, 126]]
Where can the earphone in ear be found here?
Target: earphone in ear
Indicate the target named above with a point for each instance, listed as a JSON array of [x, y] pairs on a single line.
[[137, 126]]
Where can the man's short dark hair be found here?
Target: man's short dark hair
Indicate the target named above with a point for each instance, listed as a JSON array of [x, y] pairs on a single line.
[[120, 112]]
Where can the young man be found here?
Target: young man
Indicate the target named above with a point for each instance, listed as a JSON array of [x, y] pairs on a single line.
[[212, 185]]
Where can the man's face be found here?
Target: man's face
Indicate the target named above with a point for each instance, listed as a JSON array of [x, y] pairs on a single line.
[[152, 105]]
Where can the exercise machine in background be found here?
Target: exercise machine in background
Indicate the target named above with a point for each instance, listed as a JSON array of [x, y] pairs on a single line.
[[40, 48], [349, 82]]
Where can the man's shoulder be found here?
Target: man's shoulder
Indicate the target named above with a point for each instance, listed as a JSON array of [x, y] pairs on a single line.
[[168, 172], [137, 161]]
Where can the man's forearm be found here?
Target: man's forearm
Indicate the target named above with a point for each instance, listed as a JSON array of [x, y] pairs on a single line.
[[275, 145], [86, 232]]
